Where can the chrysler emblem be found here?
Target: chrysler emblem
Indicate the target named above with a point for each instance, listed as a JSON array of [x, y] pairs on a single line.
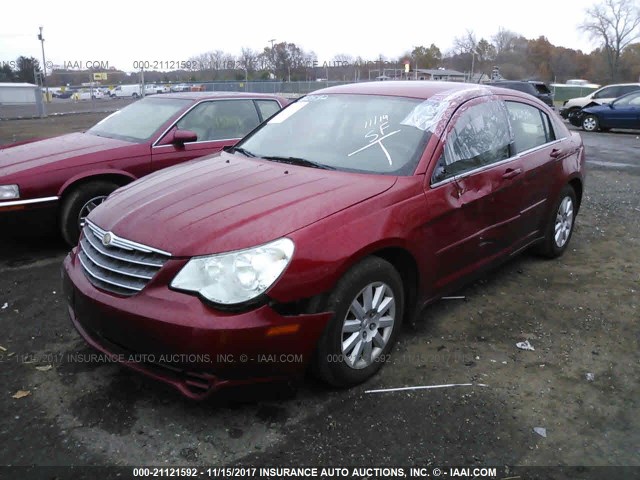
[[106, 239]]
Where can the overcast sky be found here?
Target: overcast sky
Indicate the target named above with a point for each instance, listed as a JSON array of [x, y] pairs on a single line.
[[120, 32]]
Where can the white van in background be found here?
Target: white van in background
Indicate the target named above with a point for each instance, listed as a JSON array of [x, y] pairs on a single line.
[[126, 91]]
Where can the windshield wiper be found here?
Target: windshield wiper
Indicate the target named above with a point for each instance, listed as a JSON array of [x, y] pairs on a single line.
[[243, 151], [298, 161]]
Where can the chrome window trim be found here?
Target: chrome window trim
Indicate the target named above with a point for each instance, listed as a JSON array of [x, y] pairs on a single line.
[[491, 165], [14, 203], [201, 141], [155, 143], [124, 243]]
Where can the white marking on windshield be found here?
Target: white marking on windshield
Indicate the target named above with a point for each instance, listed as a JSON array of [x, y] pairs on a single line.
[[377, 139]]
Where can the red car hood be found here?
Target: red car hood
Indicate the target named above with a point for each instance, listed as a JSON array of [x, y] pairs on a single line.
[[56, 150], [229, 203]]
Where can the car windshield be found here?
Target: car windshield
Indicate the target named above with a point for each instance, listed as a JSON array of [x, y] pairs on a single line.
[[358, 133], [140, 120]]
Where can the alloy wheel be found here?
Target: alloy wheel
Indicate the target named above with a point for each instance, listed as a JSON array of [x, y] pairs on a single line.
[[564, 222], [88, 207], [368, 325]]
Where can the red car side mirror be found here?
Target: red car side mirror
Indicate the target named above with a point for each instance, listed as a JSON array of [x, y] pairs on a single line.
[[180, 137]]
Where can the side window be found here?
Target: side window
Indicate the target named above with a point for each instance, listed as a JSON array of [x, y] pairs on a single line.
[[479, 137], [267, 108], [529, 125], [608, 92], [221, 119], [628, 89], [198, 120]]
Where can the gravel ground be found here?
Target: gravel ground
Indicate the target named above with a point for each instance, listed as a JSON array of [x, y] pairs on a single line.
[[580, 312]]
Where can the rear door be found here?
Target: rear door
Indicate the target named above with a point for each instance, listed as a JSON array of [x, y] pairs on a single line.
[[539, 156], [474, 192], [217, 123]]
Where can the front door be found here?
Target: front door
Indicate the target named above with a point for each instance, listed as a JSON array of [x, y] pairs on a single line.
[[472, 188], [217, 124]]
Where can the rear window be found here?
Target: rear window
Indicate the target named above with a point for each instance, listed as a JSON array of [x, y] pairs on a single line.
[[628, 89], [541, 88]]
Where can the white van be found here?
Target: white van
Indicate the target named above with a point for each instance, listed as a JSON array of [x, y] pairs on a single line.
[[126, 91]]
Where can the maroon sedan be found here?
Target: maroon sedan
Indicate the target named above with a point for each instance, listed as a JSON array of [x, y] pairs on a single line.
[[311, 240], [66, 177]]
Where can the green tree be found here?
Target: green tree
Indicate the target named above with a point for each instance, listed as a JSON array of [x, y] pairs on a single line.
[[426, 57], [6, 74], [25, 69]]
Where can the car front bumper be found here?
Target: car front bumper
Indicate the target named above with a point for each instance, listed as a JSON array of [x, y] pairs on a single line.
[[175, 338]]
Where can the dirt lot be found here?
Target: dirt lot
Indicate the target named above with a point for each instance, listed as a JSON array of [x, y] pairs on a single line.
[[580, 312]]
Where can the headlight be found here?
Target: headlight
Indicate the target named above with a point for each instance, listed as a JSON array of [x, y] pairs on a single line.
[[9, 192], [235, 277]]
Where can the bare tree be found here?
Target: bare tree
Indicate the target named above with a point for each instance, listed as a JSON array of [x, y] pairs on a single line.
[[614, 24], [466, 43], [504, 40], [248, 59]]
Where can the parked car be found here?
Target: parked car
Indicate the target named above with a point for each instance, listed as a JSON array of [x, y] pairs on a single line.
[[623, 112], [311, 240], [162, 89], [181, 87], [66, 94], [532, 87], [70, 175], [601, 96], [87, 94]]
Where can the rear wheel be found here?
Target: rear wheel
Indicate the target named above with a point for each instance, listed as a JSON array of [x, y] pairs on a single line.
[[78, 204], [368, 308], [135, 95], [560, 225], [590, 123]]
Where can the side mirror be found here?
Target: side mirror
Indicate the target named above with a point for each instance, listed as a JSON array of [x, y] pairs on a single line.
[[180, 137], [611, 105]]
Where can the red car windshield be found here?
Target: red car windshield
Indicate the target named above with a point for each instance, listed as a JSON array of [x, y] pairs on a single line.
[[358, 133], [140, 120]]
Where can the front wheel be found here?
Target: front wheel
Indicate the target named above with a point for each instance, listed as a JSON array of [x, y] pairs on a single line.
[[590, 123], [560, 226], [368, 306], [78, 204]]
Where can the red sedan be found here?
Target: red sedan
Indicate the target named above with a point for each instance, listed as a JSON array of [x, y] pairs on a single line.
[[310, 241], [68, 176]]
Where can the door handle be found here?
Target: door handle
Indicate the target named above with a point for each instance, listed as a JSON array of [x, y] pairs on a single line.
[[511, 173], [556, 152]]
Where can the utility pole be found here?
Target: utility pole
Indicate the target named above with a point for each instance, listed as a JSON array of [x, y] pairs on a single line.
[[44, 64], [273, 56]]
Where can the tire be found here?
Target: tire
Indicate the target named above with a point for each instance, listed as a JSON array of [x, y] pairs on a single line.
[[76, 203], [135, 95], [560, 225], [337, 349], [590, 123]]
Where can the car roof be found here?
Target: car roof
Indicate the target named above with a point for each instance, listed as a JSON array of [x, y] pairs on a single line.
[[207, 95], [424, 89], [620, 85], [400, 88]]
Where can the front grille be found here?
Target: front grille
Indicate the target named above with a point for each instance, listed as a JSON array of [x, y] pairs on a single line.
[[122, 266]]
